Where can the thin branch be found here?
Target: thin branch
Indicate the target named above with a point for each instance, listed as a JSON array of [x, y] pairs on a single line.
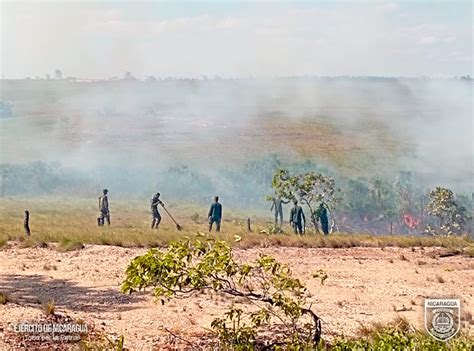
[[317, 324], [178, 337]]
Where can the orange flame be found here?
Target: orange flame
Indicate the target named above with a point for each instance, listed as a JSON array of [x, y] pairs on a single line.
[[410, 221]]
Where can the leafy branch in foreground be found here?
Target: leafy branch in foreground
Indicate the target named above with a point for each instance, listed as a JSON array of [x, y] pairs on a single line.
[[277, 312]]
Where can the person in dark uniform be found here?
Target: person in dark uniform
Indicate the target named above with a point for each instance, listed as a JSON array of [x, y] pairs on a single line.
[[297, 218], [323, 218], [104, 213], [215, 214], [278, 206], [155, 214]]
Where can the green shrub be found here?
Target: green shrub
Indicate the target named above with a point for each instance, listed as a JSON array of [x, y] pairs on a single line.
[[207, 264], [390, 338]]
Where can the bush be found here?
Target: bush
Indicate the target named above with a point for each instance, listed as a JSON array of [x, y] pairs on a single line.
[[207, 264], [49, 307], [398, 335], [4, 298], [66, 245]]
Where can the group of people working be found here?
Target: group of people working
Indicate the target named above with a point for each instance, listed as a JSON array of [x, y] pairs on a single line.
[[297, 217], [214, 215]]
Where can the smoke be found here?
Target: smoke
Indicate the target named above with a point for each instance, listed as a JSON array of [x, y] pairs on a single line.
[[135, 129]]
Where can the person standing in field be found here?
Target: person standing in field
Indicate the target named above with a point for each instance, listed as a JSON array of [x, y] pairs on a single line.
[[156, 217], [297, 218], [104, 213], [323, 218], [215, 214], [278, 207]]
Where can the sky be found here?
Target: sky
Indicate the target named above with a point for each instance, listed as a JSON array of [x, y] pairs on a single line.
[[236, 39]]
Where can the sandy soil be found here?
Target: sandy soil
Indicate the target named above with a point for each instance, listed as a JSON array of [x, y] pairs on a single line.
[[365, 285]]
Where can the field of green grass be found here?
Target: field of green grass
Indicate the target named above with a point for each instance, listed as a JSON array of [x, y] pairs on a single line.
[[72, 223]]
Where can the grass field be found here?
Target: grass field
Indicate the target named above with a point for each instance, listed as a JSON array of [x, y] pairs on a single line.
[[72, 223], [395, 271]]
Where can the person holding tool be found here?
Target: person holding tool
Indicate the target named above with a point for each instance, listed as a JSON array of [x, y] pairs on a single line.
[[156, 217]]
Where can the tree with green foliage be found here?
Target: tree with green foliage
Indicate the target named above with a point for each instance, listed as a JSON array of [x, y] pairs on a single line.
[[310, 188], [451, 215], [278, 312], [383, 197], [405, 191]]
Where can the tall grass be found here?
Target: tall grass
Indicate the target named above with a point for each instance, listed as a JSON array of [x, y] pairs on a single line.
[[73, 223]]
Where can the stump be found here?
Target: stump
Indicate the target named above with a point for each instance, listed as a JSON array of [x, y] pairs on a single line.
[[26, 223], [248, 225]]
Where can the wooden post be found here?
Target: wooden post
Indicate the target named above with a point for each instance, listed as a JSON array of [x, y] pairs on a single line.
[[4, 180], [248, 225], [334, 226], [26, 223]]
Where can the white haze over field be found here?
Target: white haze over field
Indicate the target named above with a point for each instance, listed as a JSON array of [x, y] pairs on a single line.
[[225, 123]]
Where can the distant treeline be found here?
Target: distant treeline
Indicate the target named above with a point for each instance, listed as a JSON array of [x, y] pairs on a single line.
[[128, 76], [377, 204]]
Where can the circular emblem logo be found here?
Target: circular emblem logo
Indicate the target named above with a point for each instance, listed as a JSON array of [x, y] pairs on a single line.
[[442, 321]]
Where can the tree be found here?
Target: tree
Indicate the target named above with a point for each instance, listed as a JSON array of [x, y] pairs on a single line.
[[382, 195], [276, 298], [356, 197], [450, 214], [311, 188], [58, 74], [129, 76], [405, 191]]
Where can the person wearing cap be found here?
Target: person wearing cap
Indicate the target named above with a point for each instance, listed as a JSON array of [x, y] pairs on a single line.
[[104, 213], [155, 214]]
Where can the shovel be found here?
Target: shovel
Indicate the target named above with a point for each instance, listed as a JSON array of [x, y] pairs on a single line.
[[178, 227]]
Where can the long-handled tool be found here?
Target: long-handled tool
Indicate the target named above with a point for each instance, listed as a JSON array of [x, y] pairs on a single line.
[[169, 214]]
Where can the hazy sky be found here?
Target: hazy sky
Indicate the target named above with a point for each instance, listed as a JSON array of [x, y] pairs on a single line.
[[236, 39]]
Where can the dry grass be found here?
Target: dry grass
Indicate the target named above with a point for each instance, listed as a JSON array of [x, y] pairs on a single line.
[[4, 298], [33, 242], [399, 323], [467, 317], [72, 224], [49, 307], [468, 251], [48, 267], [66, 245], [404, 258]]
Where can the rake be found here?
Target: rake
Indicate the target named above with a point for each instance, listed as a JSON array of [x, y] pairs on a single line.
[[178, 227]]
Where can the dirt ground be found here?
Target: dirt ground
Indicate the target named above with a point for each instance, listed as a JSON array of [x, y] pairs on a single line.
[[365, 285]]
